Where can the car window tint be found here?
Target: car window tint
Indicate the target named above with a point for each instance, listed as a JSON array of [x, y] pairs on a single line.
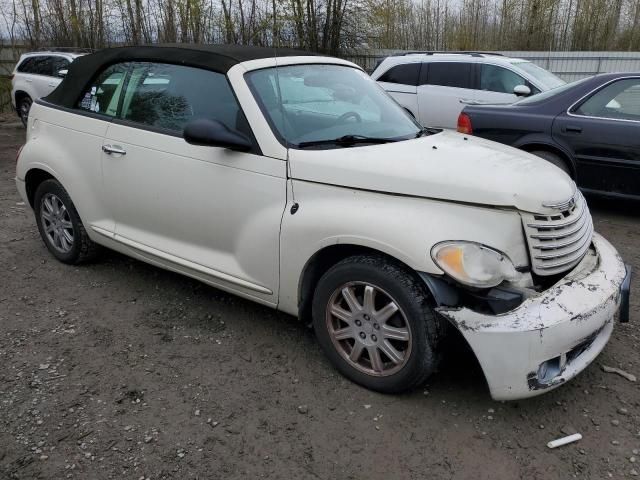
[[103, 95], [619, 100], [449, 74], [41, 65], [498, 79], [27, 65], [170, 96], [406, 74], [57, 64]]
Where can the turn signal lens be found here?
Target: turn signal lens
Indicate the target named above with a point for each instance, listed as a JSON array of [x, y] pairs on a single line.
[[473, 264], [464, 124]]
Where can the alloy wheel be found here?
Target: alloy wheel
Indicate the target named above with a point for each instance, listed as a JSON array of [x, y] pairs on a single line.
[[368, 329], [56, 223]]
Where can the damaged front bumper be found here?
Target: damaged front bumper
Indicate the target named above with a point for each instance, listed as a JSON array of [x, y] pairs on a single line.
[[553, 336]]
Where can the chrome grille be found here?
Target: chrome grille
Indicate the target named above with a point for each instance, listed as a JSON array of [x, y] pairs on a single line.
[[557, 242]]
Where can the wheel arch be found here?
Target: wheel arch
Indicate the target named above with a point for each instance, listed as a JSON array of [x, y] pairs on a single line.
[[33, 178], [325, 258], [555, 149], [19, 95]]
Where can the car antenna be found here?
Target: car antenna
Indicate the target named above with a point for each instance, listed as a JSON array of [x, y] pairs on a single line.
[[276, 44]]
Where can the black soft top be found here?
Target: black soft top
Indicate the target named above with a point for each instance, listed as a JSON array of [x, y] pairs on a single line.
[[217, 58]]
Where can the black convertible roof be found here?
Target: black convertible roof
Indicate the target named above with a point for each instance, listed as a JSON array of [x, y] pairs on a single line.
[[217, 58]]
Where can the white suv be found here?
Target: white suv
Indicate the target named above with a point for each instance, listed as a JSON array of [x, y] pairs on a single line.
[[36, 75], [296, 182], [434, 86]]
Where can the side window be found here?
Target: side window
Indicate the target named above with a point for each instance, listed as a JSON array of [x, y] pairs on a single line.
[[44, 66], [498, 79], [170, 96], [619, 100], [103, 95], [449, 74], [27, 65], [406, 74], [38, 65], [57, 64]]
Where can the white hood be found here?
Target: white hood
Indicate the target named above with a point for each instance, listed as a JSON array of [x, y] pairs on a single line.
[[443, 166]]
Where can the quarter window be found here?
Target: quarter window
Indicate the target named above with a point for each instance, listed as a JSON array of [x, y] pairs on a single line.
[[498, 79], [447, 74], [170, 96], [406, 74], [104, 94], [619, 100]]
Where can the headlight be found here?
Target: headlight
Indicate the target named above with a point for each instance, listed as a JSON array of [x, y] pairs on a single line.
[[473, 264]]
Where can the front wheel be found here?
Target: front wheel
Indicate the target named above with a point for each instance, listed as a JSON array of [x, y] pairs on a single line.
[[374, 321]]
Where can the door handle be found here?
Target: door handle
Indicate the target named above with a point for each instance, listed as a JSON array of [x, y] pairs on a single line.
[[113, 150], [28, 80], [572, 129], [53, 84]]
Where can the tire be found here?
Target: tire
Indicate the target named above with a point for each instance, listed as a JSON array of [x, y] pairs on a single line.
[[60, 226], [414, 325], [24, 106], [555, 159]]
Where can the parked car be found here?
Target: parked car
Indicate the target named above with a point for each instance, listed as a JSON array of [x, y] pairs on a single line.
[[36, 75], [588, 128], [432, 85], [296, 182]]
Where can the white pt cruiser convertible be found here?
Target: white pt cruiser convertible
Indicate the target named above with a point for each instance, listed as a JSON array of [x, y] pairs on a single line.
[[296, 182]]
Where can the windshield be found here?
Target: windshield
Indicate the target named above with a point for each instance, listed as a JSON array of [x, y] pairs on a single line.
[[305, 104], [550, 93], [542, 77]]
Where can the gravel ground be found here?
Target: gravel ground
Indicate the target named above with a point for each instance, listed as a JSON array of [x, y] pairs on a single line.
[[122, 370]]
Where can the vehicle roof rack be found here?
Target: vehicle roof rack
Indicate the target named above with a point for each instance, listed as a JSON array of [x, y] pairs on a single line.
[[444, 52], [66, 49]]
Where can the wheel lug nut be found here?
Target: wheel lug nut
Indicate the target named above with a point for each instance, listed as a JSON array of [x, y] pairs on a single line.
[[376, 326], [366, 317], [374, 338], [362, 335], [358, 322]]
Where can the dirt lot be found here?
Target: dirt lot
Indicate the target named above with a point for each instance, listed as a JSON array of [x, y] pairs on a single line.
[[122, 370]]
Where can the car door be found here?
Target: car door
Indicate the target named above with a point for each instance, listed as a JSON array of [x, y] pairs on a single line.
[[603, 133], [496, 84], [442, 88], [43, 80], [209, 212], [58, 63], [401, 83]]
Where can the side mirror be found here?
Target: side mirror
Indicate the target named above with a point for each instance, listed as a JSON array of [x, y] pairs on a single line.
[[212, 133], [62, 73], [522, 90]]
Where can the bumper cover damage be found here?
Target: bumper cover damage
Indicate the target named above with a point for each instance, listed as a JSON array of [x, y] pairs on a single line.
[[553, 336]]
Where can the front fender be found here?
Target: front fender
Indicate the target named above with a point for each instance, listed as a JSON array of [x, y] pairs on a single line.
[[402, 227]]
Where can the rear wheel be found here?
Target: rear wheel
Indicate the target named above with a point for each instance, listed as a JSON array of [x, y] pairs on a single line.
[[374, 322], [555, 159], [60, 226], [24, 106]]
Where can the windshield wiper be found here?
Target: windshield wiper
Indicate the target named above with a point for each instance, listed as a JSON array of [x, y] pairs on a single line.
[[346, 141], [428, 131]]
